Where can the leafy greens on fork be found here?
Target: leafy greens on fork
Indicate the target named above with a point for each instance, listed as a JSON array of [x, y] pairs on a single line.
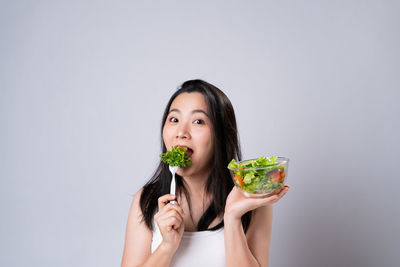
[[176, 157]]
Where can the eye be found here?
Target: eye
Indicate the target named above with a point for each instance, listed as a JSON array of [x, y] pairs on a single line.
[[173, 119], [199, 122]]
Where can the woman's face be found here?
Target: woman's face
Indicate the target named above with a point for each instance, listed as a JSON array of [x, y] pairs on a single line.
[[188, 124]]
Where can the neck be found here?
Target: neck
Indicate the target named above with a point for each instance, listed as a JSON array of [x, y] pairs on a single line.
[[196, 184], [199, 200]]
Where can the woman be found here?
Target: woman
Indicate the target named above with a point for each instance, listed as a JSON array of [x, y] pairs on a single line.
[[211, 223]]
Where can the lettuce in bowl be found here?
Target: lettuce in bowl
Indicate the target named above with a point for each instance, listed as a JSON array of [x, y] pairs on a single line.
[[259, 177]]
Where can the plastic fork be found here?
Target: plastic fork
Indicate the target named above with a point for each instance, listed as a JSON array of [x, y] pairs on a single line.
[[173, 170]]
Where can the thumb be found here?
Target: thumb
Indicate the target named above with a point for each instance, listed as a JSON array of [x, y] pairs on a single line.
[[269, 200]]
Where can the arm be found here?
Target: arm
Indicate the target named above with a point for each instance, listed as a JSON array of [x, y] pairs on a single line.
[[137, 249], [259, 234], [252, 248]]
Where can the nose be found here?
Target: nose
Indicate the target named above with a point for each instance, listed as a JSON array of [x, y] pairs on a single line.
[[183, 132]]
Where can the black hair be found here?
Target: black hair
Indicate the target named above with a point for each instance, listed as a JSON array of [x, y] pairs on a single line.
[[226, 147]]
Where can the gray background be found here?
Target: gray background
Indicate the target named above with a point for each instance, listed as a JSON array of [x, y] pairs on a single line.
[[83, 85]]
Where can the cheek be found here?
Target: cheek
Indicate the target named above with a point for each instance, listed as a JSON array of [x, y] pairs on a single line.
[[207, 142], [166, 136]]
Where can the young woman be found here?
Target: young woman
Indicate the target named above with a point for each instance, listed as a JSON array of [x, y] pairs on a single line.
[[210, 223]]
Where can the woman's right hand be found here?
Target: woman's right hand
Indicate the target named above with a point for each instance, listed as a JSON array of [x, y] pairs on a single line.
[[170, 221]]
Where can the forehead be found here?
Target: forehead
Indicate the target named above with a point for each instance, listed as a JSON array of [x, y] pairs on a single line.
[[189, 101]]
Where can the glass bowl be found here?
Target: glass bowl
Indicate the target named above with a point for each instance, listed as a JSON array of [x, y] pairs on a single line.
[[260, 181]]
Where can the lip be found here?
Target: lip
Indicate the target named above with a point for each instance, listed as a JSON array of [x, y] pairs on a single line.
[[183, 146]]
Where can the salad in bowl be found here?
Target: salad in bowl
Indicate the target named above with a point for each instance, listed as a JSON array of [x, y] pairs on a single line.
[[261, 177]]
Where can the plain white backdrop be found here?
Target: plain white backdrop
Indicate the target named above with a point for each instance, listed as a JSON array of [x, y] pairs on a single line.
[[83, 85]]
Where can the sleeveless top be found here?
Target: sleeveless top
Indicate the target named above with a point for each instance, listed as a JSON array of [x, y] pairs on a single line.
[[197, 249]]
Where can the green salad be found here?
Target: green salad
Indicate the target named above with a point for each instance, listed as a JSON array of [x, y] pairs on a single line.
[[261, 175], [176, 157]]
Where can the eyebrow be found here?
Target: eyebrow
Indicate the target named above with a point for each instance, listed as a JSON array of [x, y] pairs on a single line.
[[193, 111]]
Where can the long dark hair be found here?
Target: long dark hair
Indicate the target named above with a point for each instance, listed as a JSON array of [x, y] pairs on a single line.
[[226, 147]]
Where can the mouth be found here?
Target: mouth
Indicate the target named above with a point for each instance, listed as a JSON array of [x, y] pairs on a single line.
[[189, 151]]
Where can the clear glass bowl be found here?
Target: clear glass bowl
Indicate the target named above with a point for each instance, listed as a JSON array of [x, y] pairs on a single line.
[[261, 181]]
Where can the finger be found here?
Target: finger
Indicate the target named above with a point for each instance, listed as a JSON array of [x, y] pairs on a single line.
[[272, 199], [168, 212], [265, 201], [169, 221], [162, 201], [181, 229], [254, 203], [285, 189], [172, 222], [173, 206], [177, 207], [176, 223], [282, 193], [174, 213]]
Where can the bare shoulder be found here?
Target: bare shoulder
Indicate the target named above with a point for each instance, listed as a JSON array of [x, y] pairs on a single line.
[[138, 236], [135, 212]]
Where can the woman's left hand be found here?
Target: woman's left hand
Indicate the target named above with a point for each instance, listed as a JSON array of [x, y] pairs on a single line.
[[237, 204]]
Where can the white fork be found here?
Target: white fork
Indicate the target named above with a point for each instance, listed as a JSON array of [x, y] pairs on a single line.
[[173, 170]]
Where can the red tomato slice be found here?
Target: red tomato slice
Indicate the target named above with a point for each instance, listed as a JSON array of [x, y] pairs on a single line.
[[275, 175]]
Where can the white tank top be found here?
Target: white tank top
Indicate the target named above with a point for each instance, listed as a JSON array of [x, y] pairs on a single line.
[[197, 249]]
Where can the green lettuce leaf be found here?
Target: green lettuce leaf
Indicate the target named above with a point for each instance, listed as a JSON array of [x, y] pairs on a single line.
[[176, 157]]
